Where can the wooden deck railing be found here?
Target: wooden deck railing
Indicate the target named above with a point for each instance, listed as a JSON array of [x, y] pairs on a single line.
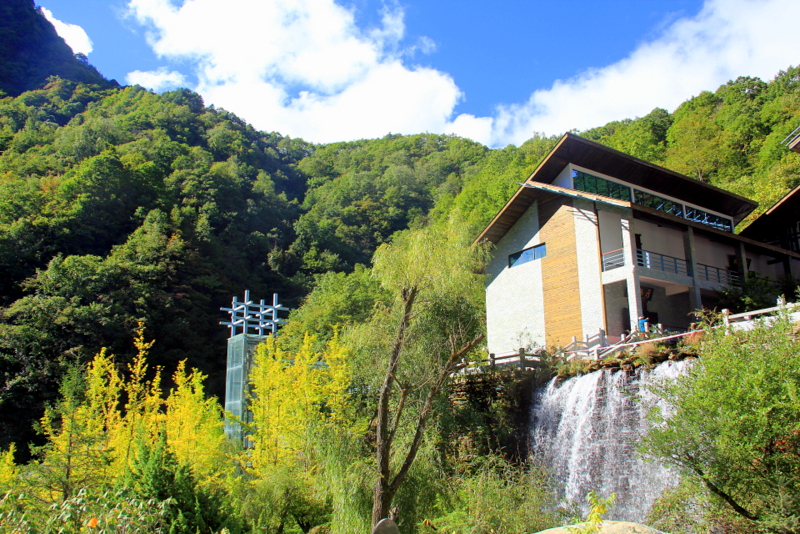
[[597, 346]]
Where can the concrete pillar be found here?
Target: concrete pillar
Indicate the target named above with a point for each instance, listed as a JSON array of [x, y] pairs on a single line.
[[791, 269], [635, 307], [741, 261], [794, 269], [695, 299]]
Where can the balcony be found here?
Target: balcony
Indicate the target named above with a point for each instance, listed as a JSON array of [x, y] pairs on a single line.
[[614, 259], [669, 264], [716, 275], [662, 262]]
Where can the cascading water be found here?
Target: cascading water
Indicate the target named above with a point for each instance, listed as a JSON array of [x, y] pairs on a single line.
[[586, 429]]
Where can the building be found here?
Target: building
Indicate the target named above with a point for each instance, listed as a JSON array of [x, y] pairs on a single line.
[[596, 239]]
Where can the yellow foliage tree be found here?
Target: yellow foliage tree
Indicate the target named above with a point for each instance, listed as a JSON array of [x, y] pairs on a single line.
[[194, 425], [293, 394], [8, 470], [91, 435], [77, 453], [143, 416]]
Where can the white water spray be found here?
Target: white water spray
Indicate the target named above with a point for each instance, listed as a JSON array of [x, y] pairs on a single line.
[[586, 430]]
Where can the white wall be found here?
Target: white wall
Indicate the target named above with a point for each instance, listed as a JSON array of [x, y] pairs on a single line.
[[514, 297], [712, 253], [564, 178], [610, 230], [660, 239], [760, 264], [589, 269]]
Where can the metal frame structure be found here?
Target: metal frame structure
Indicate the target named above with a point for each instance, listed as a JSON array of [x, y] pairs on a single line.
[[254, 319], [250, 324]]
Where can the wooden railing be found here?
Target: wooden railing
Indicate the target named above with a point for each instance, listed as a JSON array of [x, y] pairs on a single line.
[[521, 360], [745, 319]]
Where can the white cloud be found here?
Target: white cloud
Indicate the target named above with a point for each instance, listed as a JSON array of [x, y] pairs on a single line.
[[73, 35], [157, 80], [727, 39], [304, 68]]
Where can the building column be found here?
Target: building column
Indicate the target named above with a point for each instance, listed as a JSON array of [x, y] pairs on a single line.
[[741, 261], [689, 251], [793, 269], [635, 307]]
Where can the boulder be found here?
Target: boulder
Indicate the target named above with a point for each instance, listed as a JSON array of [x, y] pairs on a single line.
[[608, 527]]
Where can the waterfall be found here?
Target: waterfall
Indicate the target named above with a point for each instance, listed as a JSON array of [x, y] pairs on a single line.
[[586, 429]]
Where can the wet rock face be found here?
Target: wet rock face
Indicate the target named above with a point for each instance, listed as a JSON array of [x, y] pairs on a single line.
[[609, 527]]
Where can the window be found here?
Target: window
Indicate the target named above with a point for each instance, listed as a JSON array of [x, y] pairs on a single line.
[[657, 203], [594, 184], [698, 215], [529, 254]]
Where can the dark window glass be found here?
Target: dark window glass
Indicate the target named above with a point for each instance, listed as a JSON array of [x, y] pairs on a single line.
[[594, 184], [657, 203], [529, 254]]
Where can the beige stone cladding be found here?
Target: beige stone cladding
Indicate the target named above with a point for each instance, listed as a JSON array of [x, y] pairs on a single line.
[[562, 306], [514, 298]]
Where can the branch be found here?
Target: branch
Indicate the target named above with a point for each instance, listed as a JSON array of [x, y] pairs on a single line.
[[727, 498], [399, 412], [426, 411]]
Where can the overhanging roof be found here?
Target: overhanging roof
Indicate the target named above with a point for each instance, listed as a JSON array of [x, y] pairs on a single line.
[[531, 191], [594, 156], [784, 212]]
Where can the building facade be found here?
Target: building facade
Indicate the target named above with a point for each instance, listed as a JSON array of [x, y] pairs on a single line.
[[596, 239]]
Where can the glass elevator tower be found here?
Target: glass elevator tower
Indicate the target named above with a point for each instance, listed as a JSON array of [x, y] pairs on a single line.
[[250, 323]]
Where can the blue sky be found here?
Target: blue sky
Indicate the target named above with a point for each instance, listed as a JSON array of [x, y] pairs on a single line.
[[493, 71]]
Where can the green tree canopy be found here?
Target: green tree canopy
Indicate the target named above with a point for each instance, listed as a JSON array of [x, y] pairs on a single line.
[[733, 422]]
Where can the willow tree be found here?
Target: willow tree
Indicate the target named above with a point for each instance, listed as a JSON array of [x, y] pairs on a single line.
[[435, 320]]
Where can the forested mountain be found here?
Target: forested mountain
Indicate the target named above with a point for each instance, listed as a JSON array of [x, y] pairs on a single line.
[[120, 206], [32, 51]]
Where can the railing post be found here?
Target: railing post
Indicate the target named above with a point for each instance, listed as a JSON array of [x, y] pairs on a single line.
[[601, 334], [725, 319], [522, 359], [491, 360]]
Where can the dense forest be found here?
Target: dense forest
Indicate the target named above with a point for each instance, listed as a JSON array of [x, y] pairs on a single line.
[[123, 210]]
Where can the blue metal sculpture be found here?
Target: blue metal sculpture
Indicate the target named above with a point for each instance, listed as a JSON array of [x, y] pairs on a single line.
[[252, 318]]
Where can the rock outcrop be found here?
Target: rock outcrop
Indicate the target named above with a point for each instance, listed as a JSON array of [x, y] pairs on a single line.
[[608, 527]]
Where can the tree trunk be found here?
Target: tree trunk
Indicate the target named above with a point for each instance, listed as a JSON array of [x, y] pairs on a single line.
[[382, 495], [386, 487]]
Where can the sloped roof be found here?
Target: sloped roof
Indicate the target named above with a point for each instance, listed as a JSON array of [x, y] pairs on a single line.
[[574, 149], [784, 212]]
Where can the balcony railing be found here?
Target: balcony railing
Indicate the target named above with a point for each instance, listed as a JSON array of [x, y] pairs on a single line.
[[661, 262], [717, 275], [614, 259]]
